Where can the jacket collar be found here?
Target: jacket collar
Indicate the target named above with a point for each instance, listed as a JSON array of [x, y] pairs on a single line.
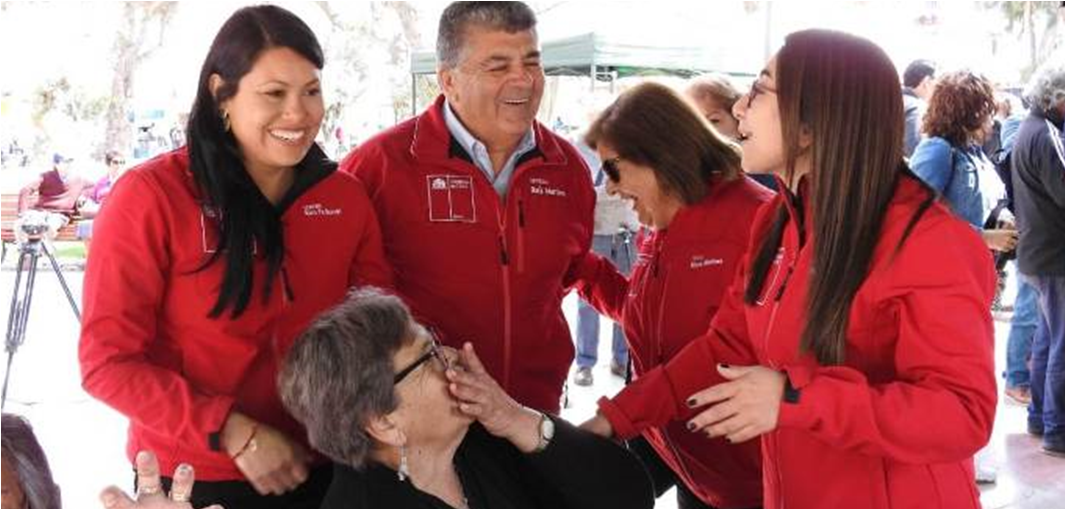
[[908, 193], [798, 205], [433, 143], [687, 220], [313, 169], [465, 139]]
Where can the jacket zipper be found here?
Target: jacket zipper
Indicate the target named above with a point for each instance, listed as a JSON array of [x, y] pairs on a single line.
[[521, 255], [766, 350], [680, 463], [657, 346], [772, 438], [505, 274], [643, 284], [659, 360], [655, 262], [286, 297]]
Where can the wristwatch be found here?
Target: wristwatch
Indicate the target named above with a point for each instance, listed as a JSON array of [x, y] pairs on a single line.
[[547, 432]]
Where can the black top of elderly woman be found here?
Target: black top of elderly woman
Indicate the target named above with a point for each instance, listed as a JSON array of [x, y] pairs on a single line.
[[414, 424], [577, 470]]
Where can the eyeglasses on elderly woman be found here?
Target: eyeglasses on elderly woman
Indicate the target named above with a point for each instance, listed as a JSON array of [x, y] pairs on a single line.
[[434, 350]]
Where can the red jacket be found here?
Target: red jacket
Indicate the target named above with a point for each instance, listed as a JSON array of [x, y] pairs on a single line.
[[676, 287], [897, 424], [148, 348], [478, 268]]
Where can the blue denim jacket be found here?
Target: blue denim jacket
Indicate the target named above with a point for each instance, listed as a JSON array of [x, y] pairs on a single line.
[[964, 176]]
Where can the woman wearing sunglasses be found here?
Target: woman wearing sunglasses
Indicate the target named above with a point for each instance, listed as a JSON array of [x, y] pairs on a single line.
[[855, 343], [412, 424], [686, 186]]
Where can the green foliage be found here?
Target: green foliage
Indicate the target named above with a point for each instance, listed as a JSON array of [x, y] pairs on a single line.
[[1014, 13], [72, 102]]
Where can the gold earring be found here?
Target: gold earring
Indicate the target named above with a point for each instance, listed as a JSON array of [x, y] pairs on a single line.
[[226, 125]]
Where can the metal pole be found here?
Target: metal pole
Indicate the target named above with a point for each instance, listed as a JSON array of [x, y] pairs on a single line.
[[20, 311], [62, 281]]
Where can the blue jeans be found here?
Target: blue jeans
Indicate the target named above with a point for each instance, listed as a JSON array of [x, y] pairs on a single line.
[[617, 249], [1020, 339], [1045, 412]]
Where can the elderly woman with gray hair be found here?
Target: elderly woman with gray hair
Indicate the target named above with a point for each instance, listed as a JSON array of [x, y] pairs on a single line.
[[412, 424]]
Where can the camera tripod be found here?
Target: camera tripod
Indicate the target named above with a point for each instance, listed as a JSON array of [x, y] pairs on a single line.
[[29, 253]]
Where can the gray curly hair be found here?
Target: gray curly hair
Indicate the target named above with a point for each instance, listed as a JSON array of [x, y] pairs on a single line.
[[339, 374], [1045, 88], [458, 16]]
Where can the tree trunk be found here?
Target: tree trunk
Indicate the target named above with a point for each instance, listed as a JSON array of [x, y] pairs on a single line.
[[1030, 27], [400, 51], [131, 48], [118, 133]]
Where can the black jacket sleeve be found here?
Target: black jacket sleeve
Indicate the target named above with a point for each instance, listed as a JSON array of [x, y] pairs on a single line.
[[1052, 164], [588, 471]]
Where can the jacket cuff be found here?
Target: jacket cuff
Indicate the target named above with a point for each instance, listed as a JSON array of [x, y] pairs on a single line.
[[215, 415], [621, 424], [795, 410]]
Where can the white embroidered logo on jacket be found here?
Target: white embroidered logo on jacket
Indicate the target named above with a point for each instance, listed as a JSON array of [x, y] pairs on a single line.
[[317, 209], [539, 186], [701, 261]]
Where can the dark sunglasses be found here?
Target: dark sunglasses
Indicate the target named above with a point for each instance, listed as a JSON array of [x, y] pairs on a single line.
[[610, 167], [435, 352]]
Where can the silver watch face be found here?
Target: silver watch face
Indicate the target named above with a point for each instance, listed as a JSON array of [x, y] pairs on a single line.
[[547, 428]]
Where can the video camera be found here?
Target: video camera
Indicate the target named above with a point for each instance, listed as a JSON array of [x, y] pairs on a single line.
[[32, 226]]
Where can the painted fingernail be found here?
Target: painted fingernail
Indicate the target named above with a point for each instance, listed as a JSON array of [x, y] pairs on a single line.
[[724, 365], [691, 402], [691, 426], [730, 441], [183, 470]]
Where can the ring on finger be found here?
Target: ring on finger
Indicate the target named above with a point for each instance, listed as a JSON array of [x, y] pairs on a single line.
[[179, 497], [148, 490]]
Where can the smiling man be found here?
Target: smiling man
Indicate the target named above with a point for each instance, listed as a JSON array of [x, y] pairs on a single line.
[[484, 211]]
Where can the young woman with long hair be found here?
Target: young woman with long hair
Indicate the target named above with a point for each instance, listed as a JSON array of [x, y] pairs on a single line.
[[855, 342]]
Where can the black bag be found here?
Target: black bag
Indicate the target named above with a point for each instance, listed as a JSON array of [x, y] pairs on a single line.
[[1001, 160], [992, 222]]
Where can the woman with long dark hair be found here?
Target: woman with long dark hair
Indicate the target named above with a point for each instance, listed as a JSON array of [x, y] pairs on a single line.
[[209, 261], [855, 342]]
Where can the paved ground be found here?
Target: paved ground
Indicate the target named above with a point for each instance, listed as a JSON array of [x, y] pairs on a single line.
[[85, 439]]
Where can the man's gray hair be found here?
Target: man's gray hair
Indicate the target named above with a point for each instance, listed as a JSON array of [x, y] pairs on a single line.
[[510, 17], [339, 375], [1045, 88]]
